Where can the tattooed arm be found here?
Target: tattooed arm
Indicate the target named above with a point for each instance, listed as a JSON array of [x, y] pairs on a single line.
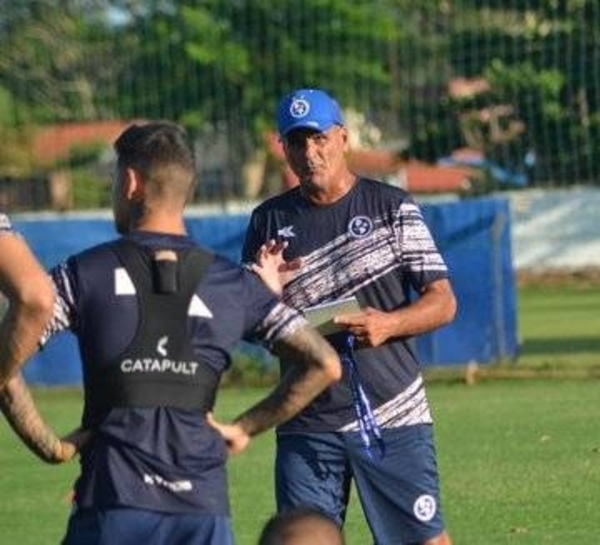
[[21, 413], [316, 367], [31, 298], [30, 295]]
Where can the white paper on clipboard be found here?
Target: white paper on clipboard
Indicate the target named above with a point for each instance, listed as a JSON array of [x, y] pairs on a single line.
[[321, 316]]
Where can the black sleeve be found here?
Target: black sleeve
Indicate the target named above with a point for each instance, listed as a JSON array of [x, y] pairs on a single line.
[[253, 239]]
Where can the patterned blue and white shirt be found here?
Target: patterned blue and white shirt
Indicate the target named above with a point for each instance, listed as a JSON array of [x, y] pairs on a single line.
[[373, 244]]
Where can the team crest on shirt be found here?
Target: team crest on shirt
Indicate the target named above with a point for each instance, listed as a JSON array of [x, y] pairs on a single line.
[[360, 227], [425, 507]]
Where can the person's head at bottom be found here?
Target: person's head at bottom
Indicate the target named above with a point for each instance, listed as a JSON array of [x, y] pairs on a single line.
[[301, 526]]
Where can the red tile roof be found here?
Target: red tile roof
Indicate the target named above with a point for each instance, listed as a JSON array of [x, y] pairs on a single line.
[[424, 178], [414, 176], [54, 143]]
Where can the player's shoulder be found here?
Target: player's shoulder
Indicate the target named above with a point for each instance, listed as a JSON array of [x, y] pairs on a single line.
[[88, 262], [224, 271], [220, 263], [93, 251], [382, 194], [378, 187], [287, 199]]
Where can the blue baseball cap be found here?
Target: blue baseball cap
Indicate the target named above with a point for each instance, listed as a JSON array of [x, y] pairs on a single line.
[[308, 109]]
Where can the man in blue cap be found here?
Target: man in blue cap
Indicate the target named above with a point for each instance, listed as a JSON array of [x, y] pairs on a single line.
[[335, 236]]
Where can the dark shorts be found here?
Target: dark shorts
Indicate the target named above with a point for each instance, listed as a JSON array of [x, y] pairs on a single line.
[[399, 493], [137, 527]]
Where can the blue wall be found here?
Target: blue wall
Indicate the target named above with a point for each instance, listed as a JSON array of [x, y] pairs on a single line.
[[474, 237]]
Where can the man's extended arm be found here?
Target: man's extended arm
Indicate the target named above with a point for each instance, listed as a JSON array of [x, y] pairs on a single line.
[[316, 367]]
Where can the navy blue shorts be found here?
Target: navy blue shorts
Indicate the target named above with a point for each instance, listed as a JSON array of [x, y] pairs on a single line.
[[138, 527], [399, 493]]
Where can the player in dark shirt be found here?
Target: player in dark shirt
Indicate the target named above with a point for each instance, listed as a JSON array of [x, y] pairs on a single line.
[[156, 317]]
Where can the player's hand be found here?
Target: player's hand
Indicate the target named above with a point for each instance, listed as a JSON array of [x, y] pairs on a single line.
[[370, 327], [272, 268], [71, 445], [236, 439]]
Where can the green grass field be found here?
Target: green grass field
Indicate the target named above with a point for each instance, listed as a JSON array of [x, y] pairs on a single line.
[[560, 328], [519, 459]]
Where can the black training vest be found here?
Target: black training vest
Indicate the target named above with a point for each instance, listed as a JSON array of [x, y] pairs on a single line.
[[159, 367]]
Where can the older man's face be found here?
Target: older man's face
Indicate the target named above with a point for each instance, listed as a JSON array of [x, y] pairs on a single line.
[[317, 158]]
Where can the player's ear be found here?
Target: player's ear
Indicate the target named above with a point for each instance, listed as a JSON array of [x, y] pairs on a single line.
[[344, 134], [134, 185]]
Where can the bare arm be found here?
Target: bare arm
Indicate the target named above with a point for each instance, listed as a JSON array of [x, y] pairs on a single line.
[[316, 366], [19, 409], [31, 298], [435, 308]]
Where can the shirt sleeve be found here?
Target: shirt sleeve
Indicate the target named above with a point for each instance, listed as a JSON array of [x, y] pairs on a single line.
[[64, 316], [422, 262], [281, 322], [268, 318], [252, 240]]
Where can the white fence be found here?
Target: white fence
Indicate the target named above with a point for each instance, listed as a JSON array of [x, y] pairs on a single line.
[[558, 229]]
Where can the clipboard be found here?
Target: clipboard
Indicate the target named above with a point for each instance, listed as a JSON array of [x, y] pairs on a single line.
[[321, 316]]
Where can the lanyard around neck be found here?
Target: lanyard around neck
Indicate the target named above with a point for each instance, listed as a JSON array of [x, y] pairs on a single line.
[[370, 432]]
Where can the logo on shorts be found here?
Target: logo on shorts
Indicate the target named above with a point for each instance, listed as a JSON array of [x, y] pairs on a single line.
[[360, 226], [425, 507]]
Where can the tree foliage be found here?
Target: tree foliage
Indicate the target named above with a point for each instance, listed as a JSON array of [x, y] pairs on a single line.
[[54, 60], [219, 67]]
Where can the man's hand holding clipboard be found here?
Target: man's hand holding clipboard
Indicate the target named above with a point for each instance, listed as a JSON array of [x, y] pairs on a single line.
[[322, 316]]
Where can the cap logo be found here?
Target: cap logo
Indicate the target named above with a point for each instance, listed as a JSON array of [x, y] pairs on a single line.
[[299, 108]]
